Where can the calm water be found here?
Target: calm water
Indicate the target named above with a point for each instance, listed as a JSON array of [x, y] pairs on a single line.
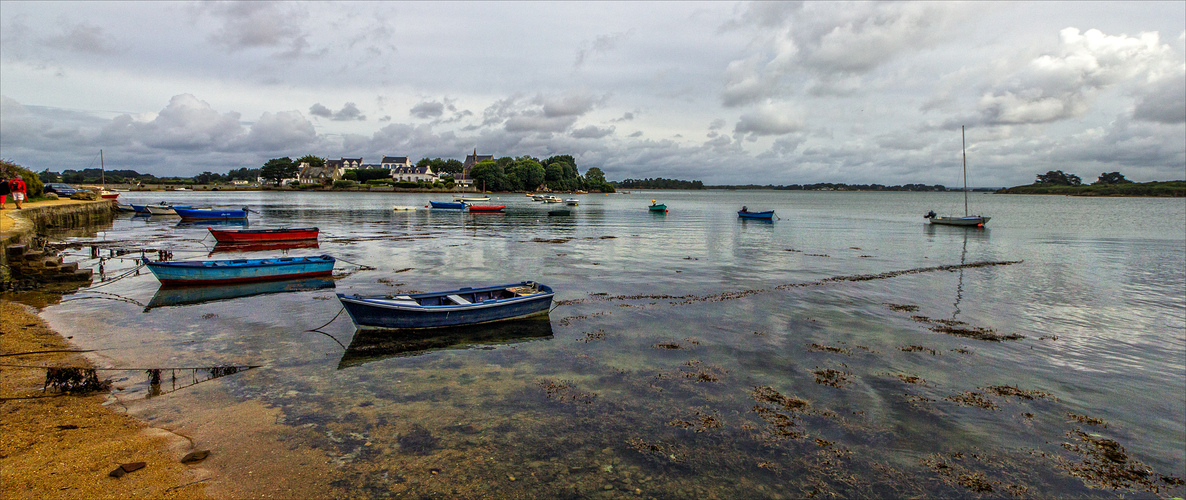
[[691, 354]]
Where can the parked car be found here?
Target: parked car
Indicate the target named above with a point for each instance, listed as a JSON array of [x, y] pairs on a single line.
[[60, 189]]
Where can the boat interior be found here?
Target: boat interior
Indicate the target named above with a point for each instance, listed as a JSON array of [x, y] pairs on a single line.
[[462, 297]]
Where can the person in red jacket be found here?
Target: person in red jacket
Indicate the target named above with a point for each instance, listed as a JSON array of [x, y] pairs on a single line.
[[17, 185]]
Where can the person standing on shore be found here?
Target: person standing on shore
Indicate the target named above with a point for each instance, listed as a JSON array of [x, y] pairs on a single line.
[[17, 186], [5, 189]]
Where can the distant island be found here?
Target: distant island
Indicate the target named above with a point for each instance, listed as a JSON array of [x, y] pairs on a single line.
[[661, 183], [1057, 182]]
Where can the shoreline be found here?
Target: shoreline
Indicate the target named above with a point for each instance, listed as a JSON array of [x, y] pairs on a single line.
[[64, 445]]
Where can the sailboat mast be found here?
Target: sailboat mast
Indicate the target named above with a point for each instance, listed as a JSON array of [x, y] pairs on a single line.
[[964, 147], [102, 170]]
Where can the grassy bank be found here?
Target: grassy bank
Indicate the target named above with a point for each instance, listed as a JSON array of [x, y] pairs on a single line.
[[1151, 189]]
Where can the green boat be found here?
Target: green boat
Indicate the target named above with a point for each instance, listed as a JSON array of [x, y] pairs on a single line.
[[658, 207]]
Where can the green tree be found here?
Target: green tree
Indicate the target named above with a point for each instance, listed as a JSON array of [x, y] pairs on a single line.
[[368, 174], [313, 161], [1059, 178], [1112, 178], [595, 175], [525, 174], [33, 185], [490, 174], [278, 169], [47, 177]]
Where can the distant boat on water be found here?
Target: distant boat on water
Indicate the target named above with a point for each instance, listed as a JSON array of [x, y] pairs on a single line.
[[966, 220]]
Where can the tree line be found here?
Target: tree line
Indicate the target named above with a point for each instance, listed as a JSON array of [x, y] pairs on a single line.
[[525, 173], [833, 186]]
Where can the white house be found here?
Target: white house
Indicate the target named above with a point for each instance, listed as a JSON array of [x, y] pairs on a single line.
[[394, 162], [412, 173]]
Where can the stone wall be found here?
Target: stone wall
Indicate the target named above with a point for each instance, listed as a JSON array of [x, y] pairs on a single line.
[[26, 263]]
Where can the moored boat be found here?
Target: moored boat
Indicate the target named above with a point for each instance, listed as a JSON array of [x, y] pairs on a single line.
[[164, 209], [744, 213], [446, 205], [486, 208], [263, 235], [124, 207], [402, 208], [216, 272], [471, 198], [262, 246], [968, 219], [464, 306], [658, 207], [193, 213], [572, 202]]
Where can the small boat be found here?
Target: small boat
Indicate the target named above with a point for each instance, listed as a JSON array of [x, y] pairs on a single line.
[[164, 209], [260, 235], [966, 220], [187, 295], [552, 199], [560, 212], [464, 306], [446, 205], [486, 208], [402, 208], [124, 207], [369, 345], [108, 195], [194, 213], [744, 213], [470, 198], [217, 272], [572, 202], [658, 207], [143, 209]]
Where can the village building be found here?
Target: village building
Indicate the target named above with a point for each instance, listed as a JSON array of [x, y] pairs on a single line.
[[469, 163], [332, 171], [394, 162], [412, 173]]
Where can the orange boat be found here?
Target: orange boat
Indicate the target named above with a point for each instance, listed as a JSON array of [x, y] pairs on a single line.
[[262, 235]]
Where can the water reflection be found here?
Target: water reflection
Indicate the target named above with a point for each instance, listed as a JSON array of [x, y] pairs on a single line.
[[180, 296], [370, 346], [212, 222], [223, 247]]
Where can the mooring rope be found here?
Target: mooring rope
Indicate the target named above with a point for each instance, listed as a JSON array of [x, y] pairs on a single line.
[[363, 267]]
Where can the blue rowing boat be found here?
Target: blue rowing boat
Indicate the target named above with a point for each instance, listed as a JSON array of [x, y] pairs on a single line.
[[464, 306], [447, 205], [746, 214], [217, 272], [193, 213]]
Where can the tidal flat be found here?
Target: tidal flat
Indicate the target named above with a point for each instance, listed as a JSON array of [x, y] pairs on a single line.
[[846, 349]]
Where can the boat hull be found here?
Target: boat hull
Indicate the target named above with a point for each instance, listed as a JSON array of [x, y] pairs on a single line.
[[446, 205], [382, 313], [767, 215], [162, 210], [658, 208], [486, 208], [263, 235], [192, 214], [221, 272], [960, 221]]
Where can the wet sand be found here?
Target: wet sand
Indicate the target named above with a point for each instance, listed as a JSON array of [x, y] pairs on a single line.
[[64, 446]]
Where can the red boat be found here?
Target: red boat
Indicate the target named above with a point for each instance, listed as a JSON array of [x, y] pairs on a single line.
[[259, 235], [486, 208]]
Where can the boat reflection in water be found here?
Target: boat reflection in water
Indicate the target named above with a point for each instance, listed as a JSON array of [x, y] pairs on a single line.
[[373, 345], [189, 295], [221, 247]]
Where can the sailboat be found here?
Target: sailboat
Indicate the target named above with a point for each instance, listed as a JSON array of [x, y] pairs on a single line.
[[103, 192], [966, 220]]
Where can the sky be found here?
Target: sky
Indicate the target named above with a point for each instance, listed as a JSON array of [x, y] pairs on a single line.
[[722, 92]]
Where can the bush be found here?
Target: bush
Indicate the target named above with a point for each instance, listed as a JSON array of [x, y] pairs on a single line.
[[380, 182], [407, 184], [344, 184]]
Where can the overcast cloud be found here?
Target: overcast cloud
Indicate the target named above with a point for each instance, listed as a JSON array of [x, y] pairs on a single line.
[[727, 93]]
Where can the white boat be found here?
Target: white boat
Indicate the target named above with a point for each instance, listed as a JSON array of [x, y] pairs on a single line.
[[402, 208], [966, 220], [572, 202], [461, 197], [552, 199]]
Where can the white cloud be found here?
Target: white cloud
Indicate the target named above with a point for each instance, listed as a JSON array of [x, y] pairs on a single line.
[[1064, 84]]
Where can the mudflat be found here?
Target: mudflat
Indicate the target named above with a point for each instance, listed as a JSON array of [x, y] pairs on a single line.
[[65, 445]]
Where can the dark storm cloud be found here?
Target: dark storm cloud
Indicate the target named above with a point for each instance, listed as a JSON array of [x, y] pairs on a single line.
[[1164, 100], [592, 132], [428, 110]]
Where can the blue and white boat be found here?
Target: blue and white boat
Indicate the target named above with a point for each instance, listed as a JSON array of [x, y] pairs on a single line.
[[447, 205], [464, 306], [218, 272], [165, 209], [206, 213]]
